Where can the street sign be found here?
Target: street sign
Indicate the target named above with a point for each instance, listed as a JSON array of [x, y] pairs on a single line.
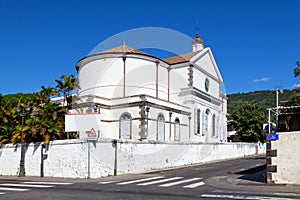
[[91, 135], [273, 137]]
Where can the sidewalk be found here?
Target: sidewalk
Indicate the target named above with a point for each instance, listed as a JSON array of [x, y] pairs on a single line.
[[251, 180], [47, 179]]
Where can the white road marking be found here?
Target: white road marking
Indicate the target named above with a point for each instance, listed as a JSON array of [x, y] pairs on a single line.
[[160, 181], [242, 197], [194, 185], [14, 189], [255, 193], [48, 183], [140, 180], [179, 182], [286, 194], [26, 185], [2, 193], [107, 182]]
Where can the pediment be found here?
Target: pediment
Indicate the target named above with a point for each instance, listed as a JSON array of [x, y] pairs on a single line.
[[206, 63]]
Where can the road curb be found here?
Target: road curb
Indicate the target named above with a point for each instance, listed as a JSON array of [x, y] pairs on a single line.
[[233, 181]]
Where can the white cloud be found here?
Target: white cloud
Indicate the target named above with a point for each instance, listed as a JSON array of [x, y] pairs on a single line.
[[264, 79]]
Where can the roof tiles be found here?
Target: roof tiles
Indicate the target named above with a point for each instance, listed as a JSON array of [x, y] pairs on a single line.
[[181, 58], [124, 49]]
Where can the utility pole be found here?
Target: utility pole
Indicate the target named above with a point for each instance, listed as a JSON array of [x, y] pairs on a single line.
[[277, 108], [23, 113]]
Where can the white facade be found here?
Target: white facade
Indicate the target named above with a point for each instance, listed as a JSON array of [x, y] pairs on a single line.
[[142, 97]]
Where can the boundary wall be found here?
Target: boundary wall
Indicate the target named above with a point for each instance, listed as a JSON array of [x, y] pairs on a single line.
[[283, 159], [82, 159]]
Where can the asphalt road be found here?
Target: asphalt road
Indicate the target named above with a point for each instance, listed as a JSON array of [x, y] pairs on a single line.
[[234, 179]]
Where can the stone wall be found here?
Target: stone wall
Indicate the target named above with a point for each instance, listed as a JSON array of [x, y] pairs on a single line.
[[285, 158], [69, 158]]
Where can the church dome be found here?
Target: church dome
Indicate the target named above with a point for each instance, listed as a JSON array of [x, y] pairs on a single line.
[[124, 49], [197, 43], [198, 40]]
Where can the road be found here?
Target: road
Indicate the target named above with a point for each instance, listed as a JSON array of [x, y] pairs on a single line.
[[194, 182]]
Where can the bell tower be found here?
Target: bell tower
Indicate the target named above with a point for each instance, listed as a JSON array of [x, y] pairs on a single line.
[[197, 43]]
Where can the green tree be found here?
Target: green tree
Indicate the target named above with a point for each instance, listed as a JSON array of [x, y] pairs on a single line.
[[45, 122], [48, 92], [42, 123], [295, 100], [10, 120], [45, 119], [248, 121], [65, 86], [297, 69], [263, 99]]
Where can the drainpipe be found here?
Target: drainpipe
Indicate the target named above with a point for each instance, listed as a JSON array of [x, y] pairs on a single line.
[[169, 69], [124, 75], [156, 78], [147, 110], [170, 115], [190, 127]]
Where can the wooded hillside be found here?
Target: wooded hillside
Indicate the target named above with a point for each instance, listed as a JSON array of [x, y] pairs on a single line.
[[264, 99]]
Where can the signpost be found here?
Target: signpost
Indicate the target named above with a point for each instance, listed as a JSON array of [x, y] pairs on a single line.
[[273, 137], [89, 125], [91, 136]]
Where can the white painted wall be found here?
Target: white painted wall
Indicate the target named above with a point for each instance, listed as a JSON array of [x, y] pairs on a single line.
[[162, 83], [68, 158], [178, 80], [96, 77], [288, 158], [104, 77]]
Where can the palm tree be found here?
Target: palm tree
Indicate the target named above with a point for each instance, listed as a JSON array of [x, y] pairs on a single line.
[[48, 121], [48, 92], [66, 85]]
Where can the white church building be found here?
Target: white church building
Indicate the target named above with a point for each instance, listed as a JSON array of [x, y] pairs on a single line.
[[141, 97]]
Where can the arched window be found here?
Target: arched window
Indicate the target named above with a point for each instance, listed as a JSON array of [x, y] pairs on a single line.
[[160, 128], [214, 125], [205, 124], [125, 126], [177, 130], [198, 121]]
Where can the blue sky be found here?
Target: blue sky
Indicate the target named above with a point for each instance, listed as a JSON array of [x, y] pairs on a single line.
[[255, 42]]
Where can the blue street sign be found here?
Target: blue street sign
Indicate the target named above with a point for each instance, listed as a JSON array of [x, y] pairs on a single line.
[[272, 137]]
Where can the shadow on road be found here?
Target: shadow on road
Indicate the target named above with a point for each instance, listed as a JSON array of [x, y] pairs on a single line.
[[256, 174]]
